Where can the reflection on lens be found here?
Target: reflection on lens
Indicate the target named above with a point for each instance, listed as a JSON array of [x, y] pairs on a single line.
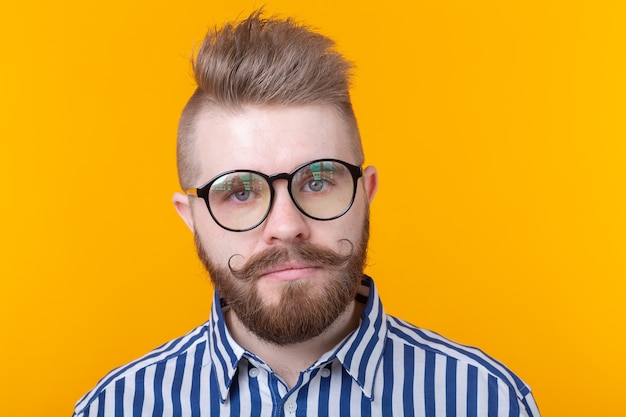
[[322, 190], [239, 200]]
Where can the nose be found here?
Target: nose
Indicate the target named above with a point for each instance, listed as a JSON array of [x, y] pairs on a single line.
[[285, 223]]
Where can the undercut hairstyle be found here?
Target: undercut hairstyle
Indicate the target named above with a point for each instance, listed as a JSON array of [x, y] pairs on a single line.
[[258, 61]]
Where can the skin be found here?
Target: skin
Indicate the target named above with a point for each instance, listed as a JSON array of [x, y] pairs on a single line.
[[272, 140]]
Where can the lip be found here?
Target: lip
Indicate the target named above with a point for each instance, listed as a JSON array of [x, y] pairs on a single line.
[[289, 271]]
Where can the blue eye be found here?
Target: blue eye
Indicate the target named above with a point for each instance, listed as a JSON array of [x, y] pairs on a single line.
[[316, 185], [243, 195]]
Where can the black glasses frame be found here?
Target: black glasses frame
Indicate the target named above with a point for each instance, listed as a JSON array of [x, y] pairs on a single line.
[[203, 191]]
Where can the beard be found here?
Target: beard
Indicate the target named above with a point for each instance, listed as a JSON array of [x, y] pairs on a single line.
[[304, 310]]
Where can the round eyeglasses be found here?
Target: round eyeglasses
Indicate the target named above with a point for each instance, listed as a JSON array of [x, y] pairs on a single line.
[[241, 200]]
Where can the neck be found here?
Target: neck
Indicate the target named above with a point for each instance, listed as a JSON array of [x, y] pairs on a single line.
[[288, 361]]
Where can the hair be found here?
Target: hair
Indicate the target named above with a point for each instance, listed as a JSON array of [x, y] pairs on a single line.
[[258, 61]]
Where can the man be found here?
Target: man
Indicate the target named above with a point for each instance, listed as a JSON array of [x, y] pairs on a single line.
[[270, 159]]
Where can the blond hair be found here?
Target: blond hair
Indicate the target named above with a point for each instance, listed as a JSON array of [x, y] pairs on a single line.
[[261, 61]]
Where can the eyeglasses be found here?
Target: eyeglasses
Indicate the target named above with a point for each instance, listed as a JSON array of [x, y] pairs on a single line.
[[241, 200]]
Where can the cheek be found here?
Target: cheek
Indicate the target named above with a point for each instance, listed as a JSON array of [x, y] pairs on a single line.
[[216, 253], [220, 245], [349, 226], [215, 240]]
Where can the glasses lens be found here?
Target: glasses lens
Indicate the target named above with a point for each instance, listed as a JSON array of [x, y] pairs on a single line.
[[239, 200], [323, 189]]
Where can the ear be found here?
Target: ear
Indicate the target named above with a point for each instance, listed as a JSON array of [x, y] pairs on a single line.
[[183, 208], [370, 182]]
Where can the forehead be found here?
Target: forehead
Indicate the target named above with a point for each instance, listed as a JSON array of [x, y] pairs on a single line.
[[271, 139]]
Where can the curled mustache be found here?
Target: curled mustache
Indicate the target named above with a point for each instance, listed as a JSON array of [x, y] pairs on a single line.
[[309, 253]]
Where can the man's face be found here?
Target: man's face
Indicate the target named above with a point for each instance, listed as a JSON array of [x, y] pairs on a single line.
[[294, 275]]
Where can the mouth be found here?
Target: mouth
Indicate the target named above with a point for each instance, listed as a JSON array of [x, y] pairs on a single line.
[[289, 271]]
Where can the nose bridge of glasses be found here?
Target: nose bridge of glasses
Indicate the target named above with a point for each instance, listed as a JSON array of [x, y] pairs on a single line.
[[288, 178], [280, 176]]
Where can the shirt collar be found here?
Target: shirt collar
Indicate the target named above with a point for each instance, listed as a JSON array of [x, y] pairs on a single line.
[[360, 353], [225, 352]]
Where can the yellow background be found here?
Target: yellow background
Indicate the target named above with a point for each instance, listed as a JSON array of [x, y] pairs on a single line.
[[498, 128]]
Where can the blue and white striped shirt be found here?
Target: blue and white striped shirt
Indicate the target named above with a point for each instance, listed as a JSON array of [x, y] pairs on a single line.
[[386, 367]]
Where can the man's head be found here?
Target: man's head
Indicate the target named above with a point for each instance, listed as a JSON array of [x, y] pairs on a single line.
[[273, 98]]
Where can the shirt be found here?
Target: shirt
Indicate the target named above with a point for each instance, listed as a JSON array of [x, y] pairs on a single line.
[[386, 367]]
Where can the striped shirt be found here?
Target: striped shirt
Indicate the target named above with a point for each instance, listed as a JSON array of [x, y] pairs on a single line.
[[386, 367]]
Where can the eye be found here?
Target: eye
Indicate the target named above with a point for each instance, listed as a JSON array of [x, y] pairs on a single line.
[[240, 188], [316, 185], [242, 195]]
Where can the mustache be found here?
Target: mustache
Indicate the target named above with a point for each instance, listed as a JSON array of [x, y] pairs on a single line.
[[306, 252]]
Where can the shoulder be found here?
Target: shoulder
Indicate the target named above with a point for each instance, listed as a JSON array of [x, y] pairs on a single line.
[[180, 350], [442, 356], [406, 333]]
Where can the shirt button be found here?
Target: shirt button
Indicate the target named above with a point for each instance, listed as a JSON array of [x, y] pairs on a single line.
[[291, 407], [325, 372], [254, 372]]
